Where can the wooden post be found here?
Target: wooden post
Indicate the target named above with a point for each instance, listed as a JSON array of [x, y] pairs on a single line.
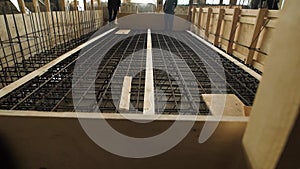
[[235, 19], [85, 5], [92, 4], [75, 5], [200, 17], [62, 5], [260, 20], [209, 12], [194, 15], [22, 6], [219, 24], [47, 5], [99, 4], [36, 5], [277, 103]]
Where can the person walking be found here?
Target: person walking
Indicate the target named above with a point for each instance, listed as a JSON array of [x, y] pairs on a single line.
[[113, 8], [169, 10]]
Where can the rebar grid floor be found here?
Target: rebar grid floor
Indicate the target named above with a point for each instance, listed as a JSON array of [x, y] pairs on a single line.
[[176, 89]]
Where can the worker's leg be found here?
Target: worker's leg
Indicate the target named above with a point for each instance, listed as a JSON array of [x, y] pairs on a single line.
[[115, 14], [110, 14]]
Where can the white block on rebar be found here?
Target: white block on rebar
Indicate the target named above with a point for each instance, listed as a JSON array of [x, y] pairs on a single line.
[[125, 95], [123, 32], [149, 107]]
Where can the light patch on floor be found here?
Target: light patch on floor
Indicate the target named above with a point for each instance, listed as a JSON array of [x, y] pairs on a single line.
[[233, 105], [123, 32]]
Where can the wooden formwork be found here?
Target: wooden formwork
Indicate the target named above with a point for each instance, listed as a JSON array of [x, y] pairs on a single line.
[[39, 28], [243, 33]]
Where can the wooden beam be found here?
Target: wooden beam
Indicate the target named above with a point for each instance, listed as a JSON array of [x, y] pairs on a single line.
[[233, 106], [92, 4], [260, 21], [277, 103], [149, 107], [22, 6], [200, 17], [194, 15], [75, 5], [99, 4], [62, 5], [235, 19], [125, 95], [219, 24], [85, 5], [47, 5], [209, 12], [36, 5]]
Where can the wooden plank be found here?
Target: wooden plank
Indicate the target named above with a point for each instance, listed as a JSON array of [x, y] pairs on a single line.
[[272, 24], [233, 106], [229, 11], [11, 87], [118, 116], [208, 18], [47, 5], [277, 103], [236, 62], [249, 12], [123, 32], [248, 20], [228, 18], [274, 13], [235, 20], [219, 24], [125, 95], [149, 106], [36, 6], [260, 20], [259, 66], [22, 6], [238, 55]]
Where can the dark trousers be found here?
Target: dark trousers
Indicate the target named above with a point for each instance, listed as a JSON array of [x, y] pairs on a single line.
[[169, 18], [112, 14]]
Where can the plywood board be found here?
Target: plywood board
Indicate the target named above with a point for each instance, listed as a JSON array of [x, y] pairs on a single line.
[[233, 105]]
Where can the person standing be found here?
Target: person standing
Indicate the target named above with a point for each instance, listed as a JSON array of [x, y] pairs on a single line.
[[169, 10], [113, 8]]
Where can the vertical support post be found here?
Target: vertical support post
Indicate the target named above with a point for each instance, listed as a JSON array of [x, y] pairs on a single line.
[[22, 6], [75, 5], [62, 5], [85, 5], [219, 24], [194, 14], [36, 5], [92, 4], [99, 4], [47, 5], [260, 20], [200, 17], [209, 12], [276, 110], [235, 19]]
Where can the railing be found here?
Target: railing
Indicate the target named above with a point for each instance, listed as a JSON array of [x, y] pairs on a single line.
[[243, 33]]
